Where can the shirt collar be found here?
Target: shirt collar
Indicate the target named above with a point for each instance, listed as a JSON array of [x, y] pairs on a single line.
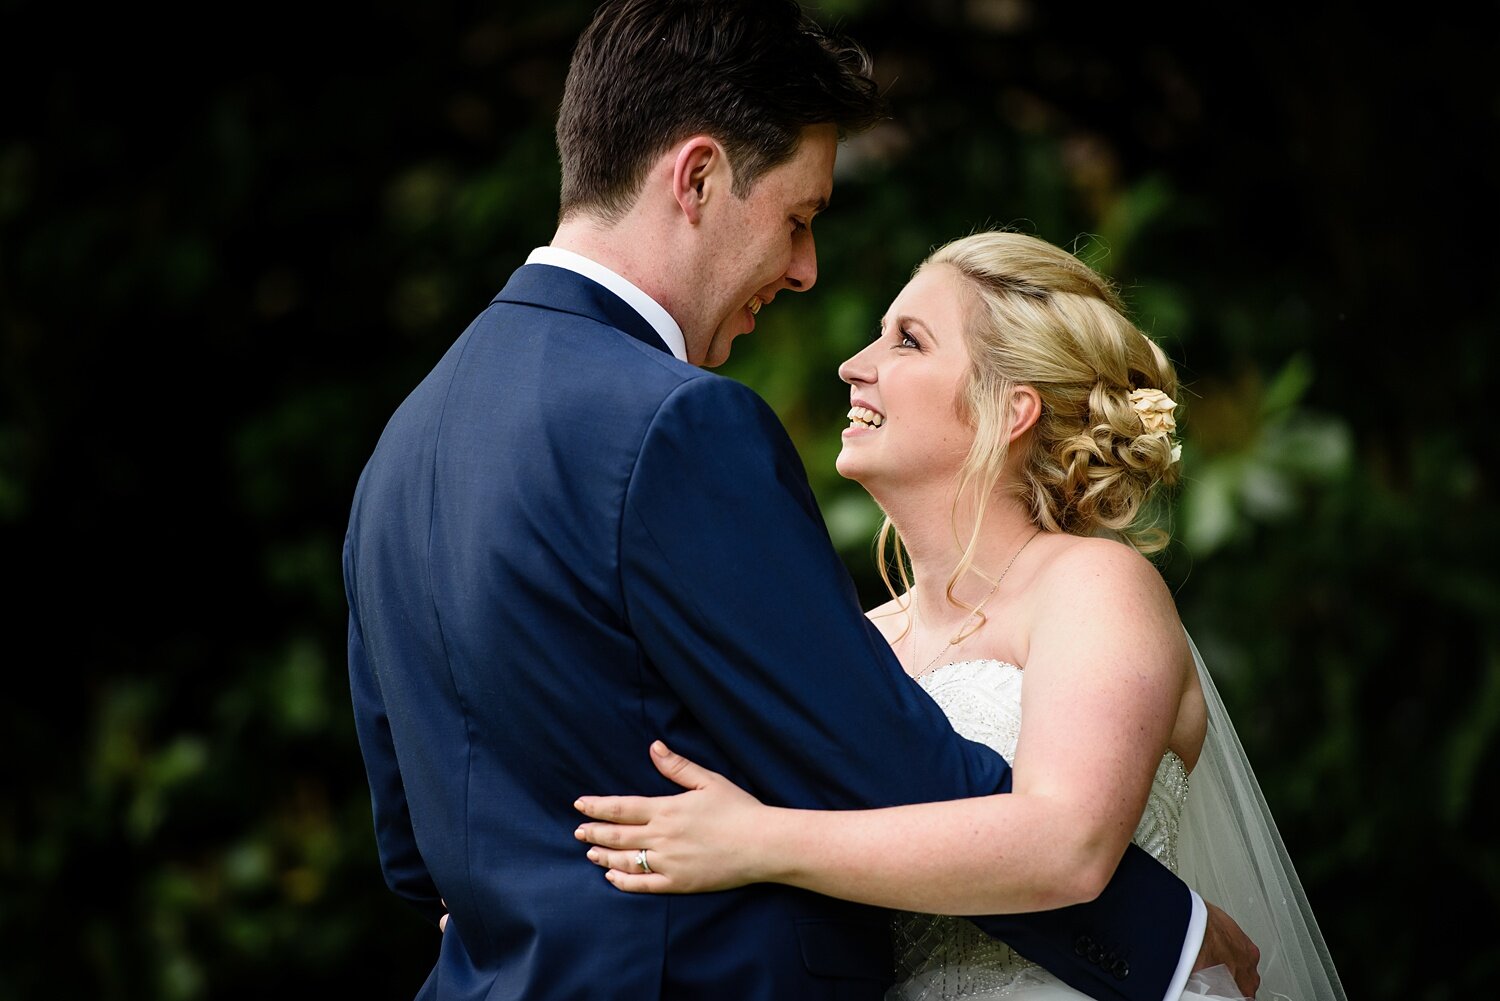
[[661, 321]]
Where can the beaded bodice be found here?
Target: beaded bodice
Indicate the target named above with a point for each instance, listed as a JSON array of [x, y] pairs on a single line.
[[940, 957]]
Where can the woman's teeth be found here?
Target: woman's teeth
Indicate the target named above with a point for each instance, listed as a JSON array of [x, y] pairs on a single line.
[[865, 417]]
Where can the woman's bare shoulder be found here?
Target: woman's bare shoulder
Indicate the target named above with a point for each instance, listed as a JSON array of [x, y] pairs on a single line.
[[890, 618], [1096, 589], [1096, 564]]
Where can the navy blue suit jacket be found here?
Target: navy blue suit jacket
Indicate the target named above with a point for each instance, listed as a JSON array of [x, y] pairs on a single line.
[[568, 543]]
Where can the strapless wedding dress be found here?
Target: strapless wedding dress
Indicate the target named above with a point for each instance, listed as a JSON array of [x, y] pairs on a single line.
[[940, 957]]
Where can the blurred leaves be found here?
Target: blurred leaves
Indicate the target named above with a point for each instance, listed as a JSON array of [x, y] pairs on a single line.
[[1260, 454], [217, 281]]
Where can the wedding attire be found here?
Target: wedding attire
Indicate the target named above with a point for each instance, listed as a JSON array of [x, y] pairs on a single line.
[[1211, 827], [569, 542]]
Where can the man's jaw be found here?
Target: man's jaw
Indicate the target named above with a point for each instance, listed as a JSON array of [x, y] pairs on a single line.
[[736, 324]]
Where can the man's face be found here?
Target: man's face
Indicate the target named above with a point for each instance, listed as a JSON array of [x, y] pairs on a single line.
[[763, 243]]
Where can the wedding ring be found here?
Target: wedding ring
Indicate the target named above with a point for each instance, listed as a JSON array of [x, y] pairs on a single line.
[[640, 860]]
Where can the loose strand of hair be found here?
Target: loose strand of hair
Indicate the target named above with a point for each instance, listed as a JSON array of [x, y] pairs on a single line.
[[889, 534]]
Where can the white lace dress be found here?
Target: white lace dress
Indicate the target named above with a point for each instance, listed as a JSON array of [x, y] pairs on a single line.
[[940, 957]]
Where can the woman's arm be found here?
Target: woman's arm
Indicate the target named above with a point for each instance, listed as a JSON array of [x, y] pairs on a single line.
[[1104, 678], [716, 837]]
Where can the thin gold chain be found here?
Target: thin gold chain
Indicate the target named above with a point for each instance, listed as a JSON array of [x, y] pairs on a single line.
[[977, 608]]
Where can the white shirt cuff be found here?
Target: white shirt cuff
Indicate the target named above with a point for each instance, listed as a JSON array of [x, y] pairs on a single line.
[[1197, 925]]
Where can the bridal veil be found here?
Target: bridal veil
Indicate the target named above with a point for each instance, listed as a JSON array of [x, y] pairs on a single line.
[[1231, 853]]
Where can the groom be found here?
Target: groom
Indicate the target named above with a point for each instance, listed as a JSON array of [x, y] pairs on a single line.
[[571, 540]]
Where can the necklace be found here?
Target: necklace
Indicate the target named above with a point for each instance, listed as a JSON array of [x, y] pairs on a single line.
[[977, 608]]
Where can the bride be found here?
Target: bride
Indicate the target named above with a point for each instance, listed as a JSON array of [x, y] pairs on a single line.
[[1014, 426]]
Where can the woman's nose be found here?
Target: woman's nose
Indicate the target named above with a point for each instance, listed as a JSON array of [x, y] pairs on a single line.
[[859, 367]]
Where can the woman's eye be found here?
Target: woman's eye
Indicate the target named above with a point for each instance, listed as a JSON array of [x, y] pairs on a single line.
[[908, 341]]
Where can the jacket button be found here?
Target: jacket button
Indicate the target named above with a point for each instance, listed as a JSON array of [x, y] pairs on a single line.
[[1121, 969], [1081, 945]]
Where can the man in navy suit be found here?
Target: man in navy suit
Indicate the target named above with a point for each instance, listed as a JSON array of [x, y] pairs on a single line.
[[571, 539]]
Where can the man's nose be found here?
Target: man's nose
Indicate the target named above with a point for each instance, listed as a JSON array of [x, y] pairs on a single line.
[[802, 272]]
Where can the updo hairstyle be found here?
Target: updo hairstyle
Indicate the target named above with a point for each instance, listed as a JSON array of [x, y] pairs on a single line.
[[1038, 316]]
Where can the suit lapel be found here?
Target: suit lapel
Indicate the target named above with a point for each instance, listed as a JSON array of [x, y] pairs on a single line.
[[547, 287]]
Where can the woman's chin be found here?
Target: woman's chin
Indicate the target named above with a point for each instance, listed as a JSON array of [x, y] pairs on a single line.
[[849, 467]]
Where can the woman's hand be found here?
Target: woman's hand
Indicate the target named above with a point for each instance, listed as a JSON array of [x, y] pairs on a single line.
[[696, 841]]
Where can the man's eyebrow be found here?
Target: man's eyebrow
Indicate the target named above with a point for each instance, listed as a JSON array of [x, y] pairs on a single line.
[[816, 204]]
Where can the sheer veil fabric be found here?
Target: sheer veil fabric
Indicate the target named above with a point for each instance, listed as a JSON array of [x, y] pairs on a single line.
[[1230, 851]]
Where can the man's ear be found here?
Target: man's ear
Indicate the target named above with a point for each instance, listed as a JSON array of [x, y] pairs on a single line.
[[698, 171], [1025, 410]]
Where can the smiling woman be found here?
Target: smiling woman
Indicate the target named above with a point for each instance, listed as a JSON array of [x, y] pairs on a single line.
[[1014, 424], [998, 334], [909, 381]]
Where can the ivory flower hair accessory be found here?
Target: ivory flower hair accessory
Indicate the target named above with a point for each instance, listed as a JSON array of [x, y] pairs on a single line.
[[1154, 408]]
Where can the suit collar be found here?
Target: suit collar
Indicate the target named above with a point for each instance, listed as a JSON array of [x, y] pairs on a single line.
[[549, 287]]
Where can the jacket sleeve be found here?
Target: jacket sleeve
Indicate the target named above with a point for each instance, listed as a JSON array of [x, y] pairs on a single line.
[[743, 605], [400, 860]]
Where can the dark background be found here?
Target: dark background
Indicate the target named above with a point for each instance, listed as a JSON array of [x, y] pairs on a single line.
[[231, 241]]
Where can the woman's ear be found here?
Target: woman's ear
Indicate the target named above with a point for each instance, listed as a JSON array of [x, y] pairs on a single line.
[[695, 173], [1025, 410]]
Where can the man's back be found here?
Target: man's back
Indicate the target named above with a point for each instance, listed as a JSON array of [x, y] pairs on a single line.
[[496, 648]]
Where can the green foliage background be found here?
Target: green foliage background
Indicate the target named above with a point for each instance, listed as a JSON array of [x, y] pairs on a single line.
[[229, 245]]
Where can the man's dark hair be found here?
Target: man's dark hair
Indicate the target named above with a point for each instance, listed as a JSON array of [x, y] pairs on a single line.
[[751, 73]]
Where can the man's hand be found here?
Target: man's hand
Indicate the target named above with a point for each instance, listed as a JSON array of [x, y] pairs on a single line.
[[1225, 944]]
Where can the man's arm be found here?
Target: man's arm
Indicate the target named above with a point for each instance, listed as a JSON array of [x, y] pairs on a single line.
[[400, 860], [742, 603], [745, 608]]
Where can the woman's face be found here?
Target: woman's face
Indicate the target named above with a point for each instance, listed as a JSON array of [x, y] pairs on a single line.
[[905, 427]]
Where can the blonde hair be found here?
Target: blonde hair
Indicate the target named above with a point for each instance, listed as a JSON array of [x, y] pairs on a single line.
[[1040, 317]]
